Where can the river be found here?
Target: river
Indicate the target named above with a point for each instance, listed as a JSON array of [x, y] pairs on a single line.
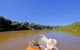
[[17, 40]]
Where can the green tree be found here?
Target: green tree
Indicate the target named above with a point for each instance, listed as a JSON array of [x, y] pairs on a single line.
[[15, 25], [5, 24]]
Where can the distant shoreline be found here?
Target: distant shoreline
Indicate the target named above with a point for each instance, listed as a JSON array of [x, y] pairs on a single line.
[[8, 25]]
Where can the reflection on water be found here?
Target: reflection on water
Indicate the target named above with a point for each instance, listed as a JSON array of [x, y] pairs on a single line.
[[66, 41], [17, 40]]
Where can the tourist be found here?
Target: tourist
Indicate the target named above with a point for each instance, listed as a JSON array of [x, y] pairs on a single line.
[[33, 45], [50, 44]]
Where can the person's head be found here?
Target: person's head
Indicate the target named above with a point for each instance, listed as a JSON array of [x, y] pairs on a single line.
[[51, 43], [33, 43]]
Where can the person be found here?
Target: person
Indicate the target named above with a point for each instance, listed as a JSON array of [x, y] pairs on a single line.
[[33, 45], [50, 43]]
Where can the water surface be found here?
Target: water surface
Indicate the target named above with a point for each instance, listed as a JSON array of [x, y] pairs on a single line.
[[17, 40]]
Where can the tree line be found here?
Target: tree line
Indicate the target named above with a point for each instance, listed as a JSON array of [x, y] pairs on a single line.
[[74, 27], [8, 25]]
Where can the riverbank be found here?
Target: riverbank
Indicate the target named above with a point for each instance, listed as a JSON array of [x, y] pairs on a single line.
[[77, 33], [9, 25], [72, 28]]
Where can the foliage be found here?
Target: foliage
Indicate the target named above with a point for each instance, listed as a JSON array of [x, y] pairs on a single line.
[[75, 27], [7, 25]]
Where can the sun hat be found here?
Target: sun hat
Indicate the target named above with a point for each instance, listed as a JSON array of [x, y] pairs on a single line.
[[50, 43], [33, 43]]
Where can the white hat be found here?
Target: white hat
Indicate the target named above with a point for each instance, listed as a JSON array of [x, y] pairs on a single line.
[[50, 43]]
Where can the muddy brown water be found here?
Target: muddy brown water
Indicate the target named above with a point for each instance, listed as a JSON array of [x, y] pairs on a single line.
[[17, 40]]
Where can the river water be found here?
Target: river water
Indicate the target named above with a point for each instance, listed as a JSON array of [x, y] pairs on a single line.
[[17, 40]]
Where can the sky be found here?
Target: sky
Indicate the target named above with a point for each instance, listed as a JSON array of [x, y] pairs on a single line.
[[46, 12]]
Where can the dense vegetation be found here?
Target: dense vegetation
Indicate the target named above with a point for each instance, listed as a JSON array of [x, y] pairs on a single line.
[[8, 25], [74, 27]]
